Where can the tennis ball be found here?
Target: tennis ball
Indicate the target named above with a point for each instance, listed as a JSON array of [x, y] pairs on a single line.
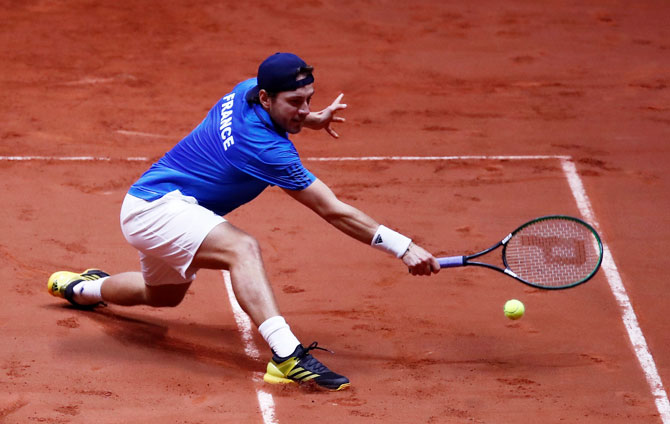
[[514, 309]]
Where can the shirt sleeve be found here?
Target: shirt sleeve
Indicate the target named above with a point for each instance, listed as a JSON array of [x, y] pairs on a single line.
[[283, 170]]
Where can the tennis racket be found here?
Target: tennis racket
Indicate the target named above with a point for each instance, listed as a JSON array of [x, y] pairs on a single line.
[[550, 252]]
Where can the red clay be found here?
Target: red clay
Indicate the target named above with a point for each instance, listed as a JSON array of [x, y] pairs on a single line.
[[129, 79]]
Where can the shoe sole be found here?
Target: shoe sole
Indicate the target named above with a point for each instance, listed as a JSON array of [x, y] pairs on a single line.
[[273, 379], [277, 380]]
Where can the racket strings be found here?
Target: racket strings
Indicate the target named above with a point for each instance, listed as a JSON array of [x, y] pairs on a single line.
[[553, 253]]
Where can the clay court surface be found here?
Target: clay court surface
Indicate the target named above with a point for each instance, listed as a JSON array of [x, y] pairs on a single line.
[[545, 84]]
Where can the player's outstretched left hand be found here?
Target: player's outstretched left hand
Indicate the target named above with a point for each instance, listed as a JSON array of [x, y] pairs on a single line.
[[323, 119], [419, 261]]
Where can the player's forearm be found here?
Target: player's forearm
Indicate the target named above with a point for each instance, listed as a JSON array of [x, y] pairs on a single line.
[[353, 223], [360, 226]]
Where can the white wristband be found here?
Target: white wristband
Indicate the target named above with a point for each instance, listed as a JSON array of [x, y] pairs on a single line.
[[390, 241]]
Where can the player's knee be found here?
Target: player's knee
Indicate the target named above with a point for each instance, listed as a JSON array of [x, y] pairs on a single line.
[[166, 296], [248, 248]]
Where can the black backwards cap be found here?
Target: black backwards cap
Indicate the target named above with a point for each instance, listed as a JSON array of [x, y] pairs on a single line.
[[278, 73]]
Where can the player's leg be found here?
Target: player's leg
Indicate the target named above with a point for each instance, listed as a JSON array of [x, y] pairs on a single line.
[[228, 247], [129, 288], [92, 287]]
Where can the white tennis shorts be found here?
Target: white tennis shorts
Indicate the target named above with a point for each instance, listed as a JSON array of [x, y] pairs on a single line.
[[167, 233]]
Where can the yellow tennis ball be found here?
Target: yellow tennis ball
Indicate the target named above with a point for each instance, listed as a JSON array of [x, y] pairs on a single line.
[[514, 309]]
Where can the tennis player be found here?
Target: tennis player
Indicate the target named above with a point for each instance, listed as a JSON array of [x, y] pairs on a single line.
[[173, 215]]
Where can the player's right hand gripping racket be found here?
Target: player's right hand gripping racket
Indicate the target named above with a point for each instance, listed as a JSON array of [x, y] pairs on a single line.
[[550, 252]]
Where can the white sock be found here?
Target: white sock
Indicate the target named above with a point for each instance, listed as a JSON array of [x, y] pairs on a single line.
[[88, 292], [278, 334]]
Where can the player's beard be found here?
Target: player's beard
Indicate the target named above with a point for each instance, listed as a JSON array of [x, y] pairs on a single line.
[[295, 126]]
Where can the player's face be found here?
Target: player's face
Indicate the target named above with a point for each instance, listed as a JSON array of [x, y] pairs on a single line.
[[290, 108]]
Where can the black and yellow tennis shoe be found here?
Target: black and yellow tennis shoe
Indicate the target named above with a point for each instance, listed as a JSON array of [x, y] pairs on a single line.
[[62, 283], [301, 367]]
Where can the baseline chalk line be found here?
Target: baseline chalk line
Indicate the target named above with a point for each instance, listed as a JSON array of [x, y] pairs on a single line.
[[430, 158], [71, 159], [307, 159]]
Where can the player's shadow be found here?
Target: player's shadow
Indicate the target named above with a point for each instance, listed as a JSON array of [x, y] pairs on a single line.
[[155, 333]]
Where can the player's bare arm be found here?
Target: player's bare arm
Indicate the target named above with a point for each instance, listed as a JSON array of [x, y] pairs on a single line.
[[351, 221], [323, 118], [355, 223]]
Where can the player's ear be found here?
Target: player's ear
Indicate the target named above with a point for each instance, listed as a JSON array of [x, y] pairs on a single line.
[[264, 98]]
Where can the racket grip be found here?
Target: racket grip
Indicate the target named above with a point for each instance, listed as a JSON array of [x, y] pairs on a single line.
[[451, 261]]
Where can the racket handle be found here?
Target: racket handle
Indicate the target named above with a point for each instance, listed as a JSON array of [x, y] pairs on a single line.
[[451, 261]]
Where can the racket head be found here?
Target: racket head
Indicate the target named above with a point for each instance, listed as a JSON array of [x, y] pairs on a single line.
[[553, 252]]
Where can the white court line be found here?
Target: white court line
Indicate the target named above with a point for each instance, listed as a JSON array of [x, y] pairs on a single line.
[[71, 159], [629, 317], [612, 275], [431, 158], [265, 401], [308, 159]]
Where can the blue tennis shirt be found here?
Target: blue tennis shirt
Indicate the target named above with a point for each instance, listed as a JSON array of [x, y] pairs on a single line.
[[227, 160]]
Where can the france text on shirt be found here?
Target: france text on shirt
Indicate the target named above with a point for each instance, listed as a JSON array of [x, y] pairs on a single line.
[[226, 121]]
